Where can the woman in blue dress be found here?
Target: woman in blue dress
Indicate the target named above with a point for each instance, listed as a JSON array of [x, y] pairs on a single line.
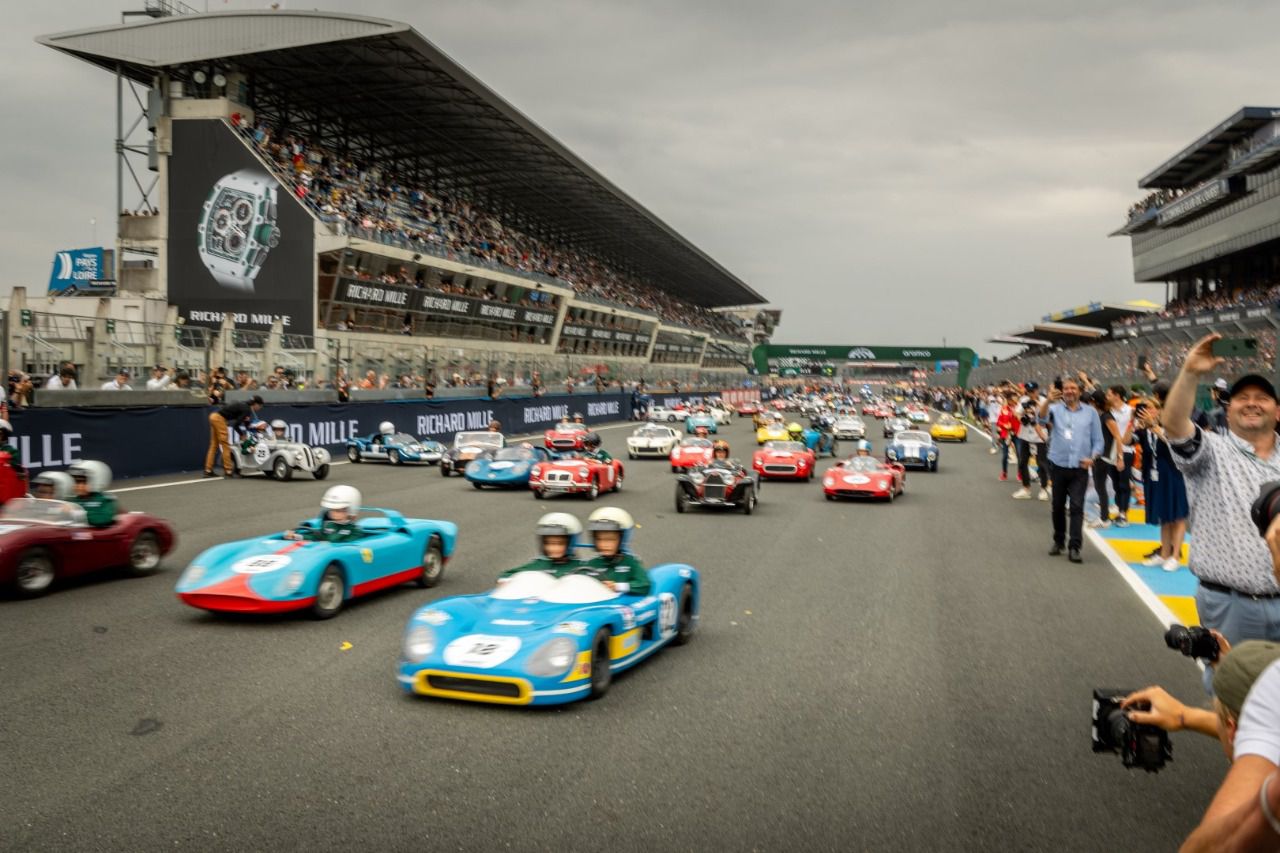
[[1162, 483]]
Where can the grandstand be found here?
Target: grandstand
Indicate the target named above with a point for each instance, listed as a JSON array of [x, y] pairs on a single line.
[[399, 216]]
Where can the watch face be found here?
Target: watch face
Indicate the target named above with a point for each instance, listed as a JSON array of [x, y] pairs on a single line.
[[238, 227]]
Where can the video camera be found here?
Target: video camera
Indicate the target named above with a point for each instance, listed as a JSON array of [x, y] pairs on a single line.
[[1195, 642], [1139, 744], [1266, 507]]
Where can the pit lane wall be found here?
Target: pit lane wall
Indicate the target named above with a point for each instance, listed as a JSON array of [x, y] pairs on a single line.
[[145, 441]]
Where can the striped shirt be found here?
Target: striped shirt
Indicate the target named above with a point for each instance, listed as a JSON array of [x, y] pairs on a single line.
[[1224, 475]]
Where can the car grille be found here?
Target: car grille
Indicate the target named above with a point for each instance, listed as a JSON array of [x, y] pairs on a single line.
[[558, 477], [563, 442], [478, 686], [713, 490], [779, 469]]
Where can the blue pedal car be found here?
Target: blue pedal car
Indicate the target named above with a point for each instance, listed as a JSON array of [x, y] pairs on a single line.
[[395, 448], [700, 419], [913, 448], [820, 442], [506, 466], [541, 640], [271, 574]]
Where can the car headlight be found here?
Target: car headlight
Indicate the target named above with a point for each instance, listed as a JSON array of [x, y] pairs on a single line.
[[472, 467], [828, 481], [883, 485], [695, 477], [554, 657], [297, 457], [291, 583], [193, 574], [933, 454], [419, 643]]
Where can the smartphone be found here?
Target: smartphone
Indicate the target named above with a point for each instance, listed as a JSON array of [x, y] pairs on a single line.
[[1057, 383], [1142, 362], [1235, 347]]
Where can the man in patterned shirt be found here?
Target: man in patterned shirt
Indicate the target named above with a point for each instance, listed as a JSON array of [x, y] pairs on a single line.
[[1238, 593]]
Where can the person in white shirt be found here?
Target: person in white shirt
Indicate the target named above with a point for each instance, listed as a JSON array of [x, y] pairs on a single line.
[[120, 383], [1122, 471], [993, 414], [160, 378], [64, 379]]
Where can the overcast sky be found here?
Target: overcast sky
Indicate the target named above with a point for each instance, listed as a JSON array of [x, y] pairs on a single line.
[[886, 173]]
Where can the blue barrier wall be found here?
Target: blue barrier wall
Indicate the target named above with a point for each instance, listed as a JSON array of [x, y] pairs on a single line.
[[145, 441]]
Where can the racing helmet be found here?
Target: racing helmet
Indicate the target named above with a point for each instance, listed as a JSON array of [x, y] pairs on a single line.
[[495, 425], [279, 427], [864, 448], [612, 518], [700, 431], [6, 430], [795, 430], [591, 440], [718, 446], [342, 497], [559, 524], [95, 473], [59, 482], [387, 428], [577, 417]]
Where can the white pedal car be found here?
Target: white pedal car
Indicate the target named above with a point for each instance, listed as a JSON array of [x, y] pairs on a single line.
[[278, 458]]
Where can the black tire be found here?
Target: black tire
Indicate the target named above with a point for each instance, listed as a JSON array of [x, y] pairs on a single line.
[[684, 620], [749, 501], [630, 455], [594, 491], [538, 494], [674, 469], [393, 456], [682, 500], [477, 486], [671, 419], [321, 472], [35, 573], [601, 669], [144, 554], [829, 497], [617, 484], [432, 565], [331, 591], [281, 470], [444, 470], [353, 454]]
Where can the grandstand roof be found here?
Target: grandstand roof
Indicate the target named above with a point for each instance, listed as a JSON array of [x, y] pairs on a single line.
[[1204, 157], [417, 111], [1075, 326], [1100, 315]]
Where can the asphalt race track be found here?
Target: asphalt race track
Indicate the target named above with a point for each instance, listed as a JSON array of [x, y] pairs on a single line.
[[914, 676]]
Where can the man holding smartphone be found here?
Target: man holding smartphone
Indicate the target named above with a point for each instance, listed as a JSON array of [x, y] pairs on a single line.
[[1238, 594]]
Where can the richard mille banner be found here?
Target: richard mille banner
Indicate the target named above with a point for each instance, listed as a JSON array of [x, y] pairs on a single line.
[[1192, 321], [398, 297]]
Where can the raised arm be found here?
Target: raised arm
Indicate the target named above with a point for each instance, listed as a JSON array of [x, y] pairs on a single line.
[[1181, 401]]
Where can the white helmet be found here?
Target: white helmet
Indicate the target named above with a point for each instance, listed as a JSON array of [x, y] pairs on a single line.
[[559, 524], [387, 428], [278, 424], [61, 482], [95, 473], [341, 497], [612, 518]]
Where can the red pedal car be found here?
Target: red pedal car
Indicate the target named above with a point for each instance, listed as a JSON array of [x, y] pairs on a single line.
[[864, 477], [565, 437], [690, 453], [41, 541], [575, 474], [784, 460], [749, 408]]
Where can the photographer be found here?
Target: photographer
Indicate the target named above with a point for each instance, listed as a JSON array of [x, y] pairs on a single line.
[[1238, 594], [1030, 438]]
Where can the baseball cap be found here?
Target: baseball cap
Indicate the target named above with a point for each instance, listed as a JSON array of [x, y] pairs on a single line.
[[1252, 380], [1235, 673], [1220, 384]]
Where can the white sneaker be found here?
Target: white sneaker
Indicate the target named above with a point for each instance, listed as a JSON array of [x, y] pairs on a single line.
[[1022, 495], [1044, 494], [1153, 561], [1099, 524], [1171, 565], [993, 451]]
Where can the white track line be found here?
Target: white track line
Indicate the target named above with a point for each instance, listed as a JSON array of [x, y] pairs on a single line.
[[1157, 607], [219, 477]]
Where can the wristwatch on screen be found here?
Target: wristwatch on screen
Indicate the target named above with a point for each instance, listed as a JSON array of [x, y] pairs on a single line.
[[238, 227]]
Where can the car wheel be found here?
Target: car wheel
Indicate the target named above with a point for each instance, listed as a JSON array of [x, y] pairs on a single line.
[[684, 621], [682, 500], [601, 669], [477, 486], [393, 456], [35, 573], [538, 494], [321, 472], [353, 454], [280, 469], [444, 470], [330, 592], [594, 491], [829, 497], [892, 494], [432, 565], [630, 455], [671, 419], [811, 472], [144, 553], [617, 484], [749, 502], [674, 469]]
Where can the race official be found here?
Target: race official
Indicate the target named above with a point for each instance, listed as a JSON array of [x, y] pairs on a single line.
[[1238, 594], [231, 416], [1075, 440]]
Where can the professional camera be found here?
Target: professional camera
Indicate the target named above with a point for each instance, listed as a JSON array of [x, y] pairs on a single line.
[[1139, 744], [1266, 507], [1194, 642]]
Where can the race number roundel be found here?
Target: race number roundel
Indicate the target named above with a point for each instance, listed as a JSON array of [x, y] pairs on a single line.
[[261, 563], [666, 613], [261, 453], [482, 651]]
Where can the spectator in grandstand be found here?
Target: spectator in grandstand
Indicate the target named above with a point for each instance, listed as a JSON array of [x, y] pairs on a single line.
[[535, 383], [217, 386], [1163, 486], [1075, 440], [370, 380], [160, 378], [1030, 439], [181, 381], [64, 379], [1238, 593], [120, 383]]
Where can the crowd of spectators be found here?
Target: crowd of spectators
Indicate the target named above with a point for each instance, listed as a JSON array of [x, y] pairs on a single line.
[[361, 198], [1154, 201], [1218, 300]]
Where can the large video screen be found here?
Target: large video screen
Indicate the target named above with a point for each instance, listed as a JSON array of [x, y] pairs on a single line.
[[239, 242]]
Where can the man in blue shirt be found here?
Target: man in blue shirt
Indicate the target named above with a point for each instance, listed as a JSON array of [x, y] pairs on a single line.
[[1075, 439]]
